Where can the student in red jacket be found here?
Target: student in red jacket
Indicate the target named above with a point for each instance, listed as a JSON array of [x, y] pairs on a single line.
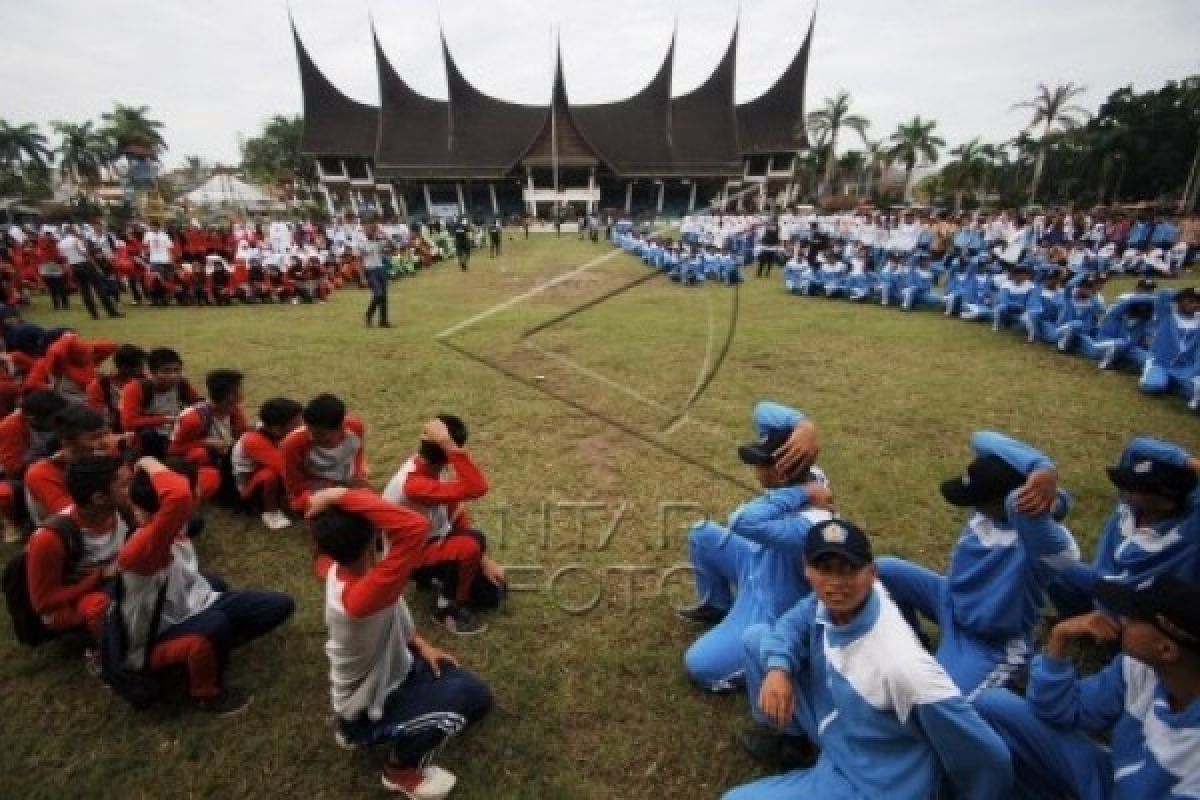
[[104, 393], [81, 432], [26, 435], [257, 462], [149, 407], [437, 483], [69, 366], [206, 431], [69, 594], [330, 450], [200, 625]]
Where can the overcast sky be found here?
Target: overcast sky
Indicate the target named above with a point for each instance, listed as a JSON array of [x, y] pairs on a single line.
[[214, 71]]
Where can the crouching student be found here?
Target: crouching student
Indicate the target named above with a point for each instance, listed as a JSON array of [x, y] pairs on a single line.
[[388, 685], [205, 433], [750, 571], [1174, 363], [1080, 317], [104, 393], [328, 450], [257, 462], [843, 669], [199, 625], [454, 557], [26, 436], [1145, 703], [1124, 335], [150, 406]]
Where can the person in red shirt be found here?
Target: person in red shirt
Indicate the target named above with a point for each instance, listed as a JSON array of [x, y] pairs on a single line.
[[257, 462], [81, 432], [329, 450], [455, 554], [104, 393], [69, 366], [205, 432], [68, 593], [200, 624], [149, 408], [26, 435]]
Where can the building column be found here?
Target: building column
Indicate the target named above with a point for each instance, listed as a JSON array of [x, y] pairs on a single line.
[[328, 200], [762, 196], [662, 194], [591, 203], [492, 194], [395, 203], [530, 203], [628, 196], [462, 207], [354, 201], [692, 198], [741, 198], [428, 201]]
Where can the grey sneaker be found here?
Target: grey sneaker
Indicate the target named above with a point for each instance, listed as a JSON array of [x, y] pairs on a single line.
[[459, 620], [779, 750]]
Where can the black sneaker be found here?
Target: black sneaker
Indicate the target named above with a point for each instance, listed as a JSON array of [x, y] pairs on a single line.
[[460, 621], [778, 750], [703, 614], [230, 702]]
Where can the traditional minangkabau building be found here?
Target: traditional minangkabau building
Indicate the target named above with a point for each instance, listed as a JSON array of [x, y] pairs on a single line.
[[650, 152]]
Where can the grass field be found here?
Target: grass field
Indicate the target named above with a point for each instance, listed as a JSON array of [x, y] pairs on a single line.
[[576, 416]]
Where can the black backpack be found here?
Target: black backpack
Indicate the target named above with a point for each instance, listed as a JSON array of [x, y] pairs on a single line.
[[27, 624], [140, 687]]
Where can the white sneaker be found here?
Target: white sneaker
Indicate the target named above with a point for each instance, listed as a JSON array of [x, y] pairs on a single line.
[[276, 520], [435, 783], [1110, 355], [1194, 403]]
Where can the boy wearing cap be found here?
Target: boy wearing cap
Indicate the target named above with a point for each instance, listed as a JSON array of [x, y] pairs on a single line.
[[759, 552], [1125, 329], [1174, 362], [988, 603], [1146, 701], [843, 669], [1080, 317]]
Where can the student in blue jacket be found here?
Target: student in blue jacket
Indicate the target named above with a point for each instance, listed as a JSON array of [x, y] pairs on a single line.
[[988, 603], [844, 670], [750, 571], [917, 289], [1079, 319], [1014, 296], [1041, 320], [1174, 363], [1146, 702]]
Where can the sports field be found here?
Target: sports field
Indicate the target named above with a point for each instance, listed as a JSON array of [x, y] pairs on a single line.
[[605, 408]]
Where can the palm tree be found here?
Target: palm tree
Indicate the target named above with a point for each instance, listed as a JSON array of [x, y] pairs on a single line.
[[912, 142], [830, 120], [133, 132], [853, 163], [1053, 110], [195, 167], [807, 163], [968, 169], [83, 152], [878, 160], [24, 148]]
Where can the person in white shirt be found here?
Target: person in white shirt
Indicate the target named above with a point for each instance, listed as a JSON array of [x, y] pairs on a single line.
[[87, 277]]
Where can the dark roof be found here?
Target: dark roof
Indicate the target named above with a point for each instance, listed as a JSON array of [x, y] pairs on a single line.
[[403, 111], [704, 124], [773, 122], [334, 125], [631, 135], [573, 150]]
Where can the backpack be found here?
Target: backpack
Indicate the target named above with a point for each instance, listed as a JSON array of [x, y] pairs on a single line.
[[27, 624], [137, 686], [181, 392]]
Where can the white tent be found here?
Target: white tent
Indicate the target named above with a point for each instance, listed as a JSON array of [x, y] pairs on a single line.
[[230, 191]]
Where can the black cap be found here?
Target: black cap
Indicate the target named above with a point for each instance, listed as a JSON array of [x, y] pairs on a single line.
[[762, 452], [1167, 603], [1154, 477], [837, 537], [987, 478]]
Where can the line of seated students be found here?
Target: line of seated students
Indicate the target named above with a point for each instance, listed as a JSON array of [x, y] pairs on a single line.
[[1151, 329], [688, 264], [827, 640]]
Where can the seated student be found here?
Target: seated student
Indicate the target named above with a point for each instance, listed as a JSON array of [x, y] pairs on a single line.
[[205, 432], [200, 625], [328, 450], [731, 268], [1145, 703], [916, 289], [833, 276], [758, 554], [988, 603], [257, 463], [1080, 317], [1015, 294], [843, 670], [389, 686], [889, 279], [960, 284], [981, 294], [1174, 363], [797, 272], [66, 586], [1125, 330], [1044, 309], [81, 432], [149, 407], [104, 392], [1153, 530], [69, 366], [455, 553], [862, 281], [26, 435]]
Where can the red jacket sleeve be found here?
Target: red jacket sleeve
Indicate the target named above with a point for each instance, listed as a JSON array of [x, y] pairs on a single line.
[[44, 569], [405, 530], [468, 483], [260, 450], [132, 402], [148, 549], [14, 443], [189, 433], [95, 397], [293, 450], [46, 484], [39, 375], [360, 458], [101, 350]]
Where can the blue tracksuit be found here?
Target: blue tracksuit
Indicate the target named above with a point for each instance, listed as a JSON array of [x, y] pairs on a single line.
[[887, 718], [1041, 320], [1174, 362], [861, 283], [917, 289], [1013, 301], [1154, 752], [1164, 235], [980, 297], [796, 275], [1123, 335], [1139, 234], [731, 272], [761, 553], [1078, 322], [889, 283], [989, 602]]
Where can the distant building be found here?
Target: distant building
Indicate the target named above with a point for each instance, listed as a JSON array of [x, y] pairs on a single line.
[[481, 155]]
